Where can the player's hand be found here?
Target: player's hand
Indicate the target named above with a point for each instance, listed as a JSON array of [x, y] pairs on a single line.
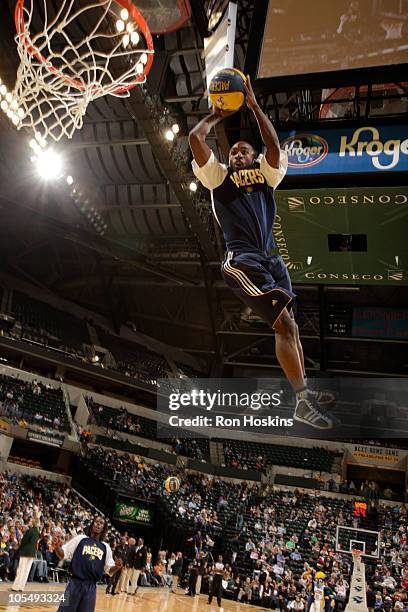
[[250, 98], [222, 114]]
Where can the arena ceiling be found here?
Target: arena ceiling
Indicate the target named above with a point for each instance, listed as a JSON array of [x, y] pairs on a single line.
[[157, 264]]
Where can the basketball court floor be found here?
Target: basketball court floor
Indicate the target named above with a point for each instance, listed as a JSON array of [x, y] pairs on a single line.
[[147, 600]]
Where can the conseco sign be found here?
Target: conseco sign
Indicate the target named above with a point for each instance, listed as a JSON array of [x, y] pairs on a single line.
[[341, 151], [305, 150]]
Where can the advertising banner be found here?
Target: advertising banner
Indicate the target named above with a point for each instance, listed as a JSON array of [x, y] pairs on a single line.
[[375, 322], [353, 236], [376, 455], [50, 438], [347, 150], [133, 513]]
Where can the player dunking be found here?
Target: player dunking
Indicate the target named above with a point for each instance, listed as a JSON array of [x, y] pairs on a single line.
[[90, 558], [244, 206]]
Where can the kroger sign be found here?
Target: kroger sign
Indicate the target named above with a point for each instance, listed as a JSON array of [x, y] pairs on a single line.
[[332, 151]]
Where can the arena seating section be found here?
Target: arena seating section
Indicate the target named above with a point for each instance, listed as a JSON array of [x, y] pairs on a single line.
[[217, 507], [49, 326], [20, 399], [252, 455], [119, 420], [244, 521], [38, 322], [133, 359]]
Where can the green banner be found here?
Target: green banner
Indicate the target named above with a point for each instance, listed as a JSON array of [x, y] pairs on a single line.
[[132, 513], [351, 236]]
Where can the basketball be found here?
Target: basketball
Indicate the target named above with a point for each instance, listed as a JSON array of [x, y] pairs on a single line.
[[227, 91], [172, 484]]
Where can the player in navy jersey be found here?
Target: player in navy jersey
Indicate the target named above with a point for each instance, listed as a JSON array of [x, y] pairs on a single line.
[[243, 203], [90, 558]]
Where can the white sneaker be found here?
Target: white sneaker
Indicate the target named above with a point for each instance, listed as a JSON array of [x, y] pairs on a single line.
[[309, 411]]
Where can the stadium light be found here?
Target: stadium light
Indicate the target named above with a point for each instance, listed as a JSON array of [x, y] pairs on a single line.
[[49, 165], [169, 135]]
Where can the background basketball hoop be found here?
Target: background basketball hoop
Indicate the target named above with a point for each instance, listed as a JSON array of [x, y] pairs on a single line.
[[62, 69]]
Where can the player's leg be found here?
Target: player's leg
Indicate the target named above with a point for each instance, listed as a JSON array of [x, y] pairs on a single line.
[[263, 283], [287, 352], [300, 349], [71, 597], [88, 598]]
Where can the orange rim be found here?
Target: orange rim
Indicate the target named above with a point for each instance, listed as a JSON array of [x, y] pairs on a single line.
[[137, 18]]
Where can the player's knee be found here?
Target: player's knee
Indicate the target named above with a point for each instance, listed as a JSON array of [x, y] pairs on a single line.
[[285, 326]]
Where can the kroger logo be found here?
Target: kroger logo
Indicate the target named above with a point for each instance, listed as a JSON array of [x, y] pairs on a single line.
[[305, 150]]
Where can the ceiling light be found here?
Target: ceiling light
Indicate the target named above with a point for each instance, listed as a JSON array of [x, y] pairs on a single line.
[[143, 58], [120, 26], [193, 186], [9, 97], [175, 128], [139, 68], [4, 105], [3, 90], [49, 164], [134, 38], [21, 113], [124, 13], [70, 180], [125, 40], [169, 135]]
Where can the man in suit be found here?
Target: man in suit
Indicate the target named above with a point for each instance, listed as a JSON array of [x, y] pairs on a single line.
[[138, 561]]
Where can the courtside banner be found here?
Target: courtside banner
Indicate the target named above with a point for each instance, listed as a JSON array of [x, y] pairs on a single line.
[[347, 150], [247, 408]]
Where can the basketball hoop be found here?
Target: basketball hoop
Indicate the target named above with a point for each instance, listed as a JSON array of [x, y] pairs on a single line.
[[62, 69]]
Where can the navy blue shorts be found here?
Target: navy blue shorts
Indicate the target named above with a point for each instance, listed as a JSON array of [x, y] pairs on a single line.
[[262, 282], [80, 596]]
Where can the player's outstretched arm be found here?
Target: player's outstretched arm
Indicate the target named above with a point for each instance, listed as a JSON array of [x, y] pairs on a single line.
[[199, 148], [268, 132]]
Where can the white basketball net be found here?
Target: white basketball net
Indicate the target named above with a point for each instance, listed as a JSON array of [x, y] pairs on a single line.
[[356, 557], [62, 69]]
